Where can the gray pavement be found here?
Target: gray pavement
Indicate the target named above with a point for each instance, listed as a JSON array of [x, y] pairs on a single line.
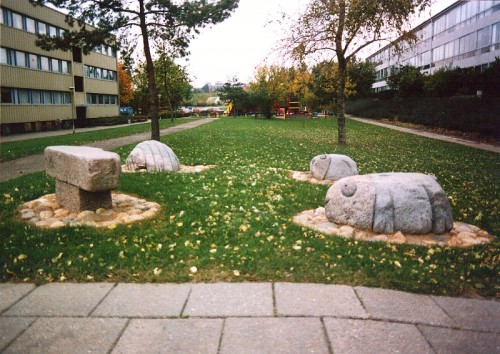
[[240, 318], [35, 163]]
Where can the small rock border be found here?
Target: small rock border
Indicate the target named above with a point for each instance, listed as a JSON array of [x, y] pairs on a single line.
[[46, 212], [462, 234], [307, 177], [182, 169]]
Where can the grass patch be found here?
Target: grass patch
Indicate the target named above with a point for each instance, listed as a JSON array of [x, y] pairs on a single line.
[[234, 222], [16, 149]]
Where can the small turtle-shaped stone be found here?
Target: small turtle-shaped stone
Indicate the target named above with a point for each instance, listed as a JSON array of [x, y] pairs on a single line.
[[153, 156]]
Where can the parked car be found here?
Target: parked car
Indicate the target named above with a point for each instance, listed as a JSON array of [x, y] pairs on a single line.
[[126, 111]]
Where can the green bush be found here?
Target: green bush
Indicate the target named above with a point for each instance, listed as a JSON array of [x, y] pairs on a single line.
[[463, 113]]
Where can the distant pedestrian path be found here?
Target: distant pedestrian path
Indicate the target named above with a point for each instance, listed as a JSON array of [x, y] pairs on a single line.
[[482, 146], [35, 163]]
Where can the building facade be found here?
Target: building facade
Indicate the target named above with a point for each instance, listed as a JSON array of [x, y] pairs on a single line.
[[466, 34], [44, 90]]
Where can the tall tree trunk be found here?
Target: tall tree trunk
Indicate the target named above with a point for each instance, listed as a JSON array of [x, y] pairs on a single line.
[[153, 94], [342, 74], [342, 140]]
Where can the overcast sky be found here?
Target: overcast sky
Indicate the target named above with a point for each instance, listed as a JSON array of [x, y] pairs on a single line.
[[247, 39]]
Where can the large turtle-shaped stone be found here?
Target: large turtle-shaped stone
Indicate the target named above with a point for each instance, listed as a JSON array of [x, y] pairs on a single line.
[[388, 202], [333, 167], [153, 156]]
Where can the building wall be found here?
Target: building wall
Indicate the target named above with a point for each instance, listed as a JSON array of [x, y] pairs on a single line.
[[40, 89], [466, 34]]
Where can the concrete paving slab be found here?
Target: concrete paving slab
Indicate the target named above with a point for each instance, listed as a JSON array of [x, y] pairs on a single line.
[[144, 300], [69, 335], [273, 335], [11, 327], [294, 299], [471, 313], [230, 299], [11, 293], [61, 299], [171, 336], [451, 341], [400, 306], [366, 336]]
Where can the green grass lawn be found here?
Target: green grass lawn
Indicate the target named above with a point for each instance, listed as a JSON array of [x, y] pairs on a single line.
[[16, 149], [234, 222]]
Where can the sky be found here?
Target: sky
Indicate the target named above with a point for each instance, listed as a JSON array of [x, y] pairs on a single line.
[[249, 38]]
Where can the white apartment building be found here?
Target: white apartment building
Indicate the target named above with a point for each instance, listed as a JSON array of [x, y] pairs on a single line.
[[466, 34]]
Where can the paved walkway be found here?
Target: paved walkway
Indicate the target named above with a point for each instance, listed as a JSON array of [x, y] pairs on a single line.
[[240, 318], [34, 163], [474, 144]]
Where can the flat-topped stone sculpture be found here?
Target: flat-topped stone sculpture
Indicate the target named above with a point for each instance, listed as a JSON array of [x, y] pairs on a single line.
[[84, 176], [388, 202], [153, 156], [333, 167]]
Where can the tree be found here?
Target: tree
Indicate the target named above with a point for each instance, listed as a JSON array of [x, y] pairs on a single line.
[[172, 82], [344, 28], [362, 75], [125, 85], [407, 80], [270, 86], [174, 23], [233, 92]]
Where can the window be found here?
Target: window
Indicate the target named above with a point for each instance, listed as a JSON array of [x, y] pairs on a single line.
[[36, 97], [468, 43], [77, 54], [30, 25], [78, 83], [17, 21], [20, 59], [57, 97], [439, 25], [438, 53], [3, 56], [52, 31], [44, 63], [453, 17], [64, 67], [33, 61], [484, 37], [7, 95], [24, 96], [42, 28], [66, 97], [496, 33], [97, 73], [2, 15], [47, 97], [54, 65], [61, 32]]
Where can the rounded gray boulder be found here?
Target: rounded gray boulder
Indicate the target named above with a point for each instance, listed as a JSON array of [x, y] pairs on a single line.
[[333, 167], [153, 156], [412, 203]]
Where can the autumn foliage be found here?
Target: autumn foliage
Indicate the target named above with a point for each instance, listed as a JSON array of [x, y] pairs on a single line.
[[125, 85]]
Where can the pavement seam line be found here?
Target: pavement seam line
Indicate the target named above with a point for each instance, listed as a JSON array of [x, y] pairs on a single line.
[[181, 314], [325, 334], [120, 335], [100, 302], [219, 345], [19, 335], [362, 303], [425, 338], [273, 293], [18, 300]]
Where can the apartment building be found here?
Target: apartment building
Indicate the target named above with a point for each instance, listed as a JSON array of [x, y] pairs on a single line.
[[466, 34], [44, 90]]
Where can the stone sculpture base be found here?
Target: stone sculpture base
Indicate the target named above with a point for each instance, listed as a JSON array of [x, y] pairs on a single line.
[[76, 199], [461, 235]]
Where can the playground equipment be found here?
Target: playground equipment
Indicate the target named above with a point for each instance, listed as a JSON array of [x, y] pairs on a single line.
[[228, 109]]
